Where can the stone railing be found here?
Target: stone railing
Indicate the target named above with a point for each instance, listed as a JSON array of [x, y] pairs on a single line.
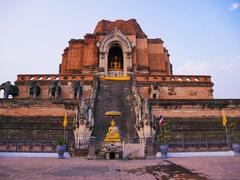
[[192, 145], [145, 123], [93, 100], [115, 73], [84, 120], [137, 101], [174, 78], [30, 145], [51, 77]]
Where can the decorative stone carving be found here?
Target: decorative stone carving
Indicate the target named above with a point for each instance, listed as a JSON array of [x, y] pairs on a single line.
[[145, 124], [84, 109], [115, 37], [82, 128], [193, 93], [154, 91], [171, 91], [9, 89], [142, 68], [210, 92], [84, 119]]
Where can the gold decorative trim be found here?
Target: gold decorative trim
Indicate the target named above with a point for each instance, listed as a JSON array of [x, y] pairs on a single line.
[[122, 78]]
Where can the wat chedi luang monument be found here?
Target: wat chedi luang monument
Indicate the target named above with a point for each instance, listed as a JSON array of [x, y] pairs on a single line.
[[84, 88]]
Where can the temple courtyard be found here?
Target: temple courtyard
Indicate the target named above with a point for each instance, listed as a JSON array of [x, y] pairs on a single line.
[[75, 168]]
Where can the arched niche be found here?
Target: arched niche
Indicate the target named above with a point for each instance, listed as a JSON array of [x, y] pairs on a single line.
[[115, 58], [115, 39]]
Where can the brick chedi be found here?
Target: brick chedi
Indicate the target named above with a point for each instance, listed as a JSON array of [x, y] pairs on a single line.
[[116, 50], [146, 58], [82, 55]]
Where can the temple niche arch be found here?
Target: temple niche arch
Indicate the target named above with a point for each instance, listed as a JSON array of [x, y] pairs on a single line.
[[115, 54], [115, 58]]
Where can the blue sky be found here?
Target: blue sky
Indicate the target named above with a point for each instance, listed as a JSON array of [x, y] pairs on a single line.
[[202, 36]]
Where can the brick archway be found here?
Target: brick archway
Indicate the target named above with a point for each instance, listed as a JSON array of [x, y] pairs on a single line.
[[115, 37]]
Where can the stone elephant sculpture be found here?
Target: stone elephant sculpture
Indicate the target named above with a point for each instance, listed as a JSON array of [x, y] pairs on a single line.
[[77, 89], [9, 89], [34, 89], [55, 89]]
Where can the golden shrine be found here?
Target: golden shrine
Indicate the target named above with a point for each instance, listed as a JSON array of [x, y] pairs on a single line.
[[113, 134]]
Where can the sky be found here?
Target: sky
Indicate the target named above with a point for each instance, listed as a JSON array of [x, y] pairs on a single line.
[[203, 37]]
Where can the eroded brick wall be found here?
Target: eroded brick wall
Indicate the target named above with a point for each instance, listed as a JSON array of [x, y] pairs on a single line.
[[35, 119], [197, 119]]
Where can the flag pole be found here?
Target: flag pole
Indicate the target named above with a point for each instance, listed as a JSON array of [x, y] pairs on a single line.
[[226, 130], [64, 134], [224, 122]]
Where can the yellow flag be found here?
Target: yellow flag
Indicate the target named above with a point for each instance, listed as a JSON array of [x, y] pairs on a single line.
[[65, 120], [224, 119]]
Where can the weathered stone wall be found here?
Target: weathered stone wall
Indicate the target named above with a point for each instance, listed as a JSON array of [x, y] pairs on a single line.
[[158, 59], [148, 54], [142, 52], [181, 92], [197, 119], [196, 108], [169, 87], [175, 87], [37, 107], [34, 128], [74, 56], [128, 27], [44, 83], [90, 58], [35, 119]]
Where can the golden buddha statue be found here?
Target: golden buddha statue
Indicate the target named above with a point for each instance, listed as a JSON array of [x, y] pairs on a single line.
[[113, 134], [116, 64]]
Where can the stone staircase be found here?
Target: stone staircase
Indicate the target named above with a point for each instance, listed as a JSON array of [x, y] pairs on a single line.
[[115, 96]]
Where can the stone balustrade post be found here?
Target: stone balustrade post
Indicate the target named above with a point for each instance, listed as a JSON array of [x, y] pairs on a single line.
[[149, 148], [92, 148]]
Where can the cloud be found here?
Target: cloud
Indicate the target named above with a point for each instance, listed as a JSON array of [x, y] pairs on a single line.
[[224, 74], [234, 6], [205, 67], [193, 67]]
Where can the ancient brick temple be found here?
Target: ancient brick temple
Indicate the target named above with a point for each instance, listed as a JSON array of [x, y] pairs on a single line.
[[117, 67]]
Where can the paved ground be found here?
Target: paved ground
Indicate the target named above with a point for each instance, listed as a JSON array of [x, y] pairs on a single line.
[[75, 168]]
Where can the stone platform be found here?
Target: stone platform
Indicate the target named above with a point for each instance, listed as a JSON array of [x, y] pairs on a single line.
[[76, 168]]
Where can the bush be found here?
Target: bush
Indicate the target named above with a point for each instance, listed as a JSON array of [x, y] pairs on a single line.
[[233, 132], [164, 136], [60, 141]]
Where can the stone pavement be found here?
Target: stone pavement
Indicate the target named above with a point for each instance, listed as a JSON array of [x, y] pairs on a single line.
[[75, 168]]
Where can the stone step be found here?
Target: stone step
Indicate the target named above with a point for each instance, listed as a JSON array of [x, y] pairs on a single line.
[[80, 153], [114, 96]]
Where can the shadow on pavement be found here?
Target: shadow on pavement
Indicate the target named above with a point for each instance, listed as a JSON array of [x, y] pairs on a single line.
[[167, 170]]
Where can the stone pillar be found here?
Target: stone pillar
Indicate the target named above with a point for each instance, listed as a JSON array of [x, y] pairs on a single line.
[[149, 147], [117, 155], [125, 63], [107, 155], [92, 148]]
